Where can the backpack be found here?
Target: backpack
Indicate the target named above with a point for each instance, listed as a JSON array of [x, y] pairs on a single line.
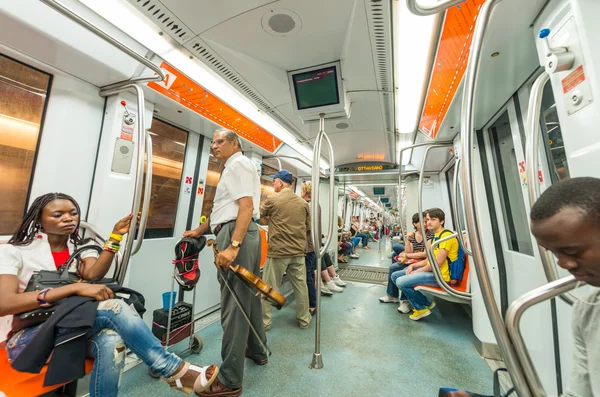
[[456, 267]]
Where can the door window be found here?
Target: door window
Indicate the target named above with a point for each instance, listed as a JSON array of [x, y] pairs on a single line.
[[23, 98], [552, 137], [510, 179], [168, 153]]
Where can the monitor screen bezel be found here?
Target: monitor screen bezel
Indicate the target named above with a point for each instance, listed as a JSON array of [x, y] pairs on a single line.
[[340, 106], [337, 87]]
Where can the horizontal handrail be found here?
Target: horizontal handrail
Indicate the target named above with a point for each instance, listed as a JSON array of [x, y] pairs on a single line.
[[514, 314], [306, 163], [160, 76], [532, 140], [417, 9], [464, 296]]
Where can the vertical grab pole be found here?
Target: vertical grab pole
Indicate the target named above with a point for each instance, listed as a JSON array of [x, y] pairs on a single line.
[[532, 139], [467, 128], [380, 205], [317, 360]]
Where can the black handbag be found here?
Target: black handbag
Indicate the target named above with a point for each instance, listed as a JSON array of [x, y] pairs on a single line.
[[51, 279]]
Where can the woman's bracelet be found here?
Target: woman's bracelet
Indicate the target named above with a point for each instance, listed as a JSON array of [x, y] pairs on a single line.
[[41, 298], [111, 247], [117, 237]]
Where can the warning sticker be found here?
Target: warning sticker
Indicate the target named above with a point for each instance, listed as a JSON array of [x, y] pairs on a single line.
[[573, 80]]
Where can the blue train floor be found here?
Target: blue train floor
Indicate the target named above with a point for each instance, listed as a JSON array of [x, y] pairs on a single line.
[[369, 349]]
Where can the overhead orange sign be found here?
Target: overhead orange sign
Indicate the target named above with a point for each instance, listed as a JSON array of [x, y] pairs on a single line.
[[450, 63], [193, 96], [353, 194]]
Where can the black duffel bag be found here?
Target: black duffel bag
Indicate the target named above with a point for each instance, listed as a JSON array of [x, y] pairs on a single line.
[[53, 279]]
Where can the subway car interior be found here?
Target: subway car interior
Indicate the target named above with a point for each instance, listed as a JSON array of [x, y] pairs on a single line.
[[388, 108]]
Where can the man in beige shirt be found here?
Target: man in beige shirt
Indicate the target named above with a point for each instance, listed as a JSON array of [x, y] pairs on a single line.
[[288, 219]]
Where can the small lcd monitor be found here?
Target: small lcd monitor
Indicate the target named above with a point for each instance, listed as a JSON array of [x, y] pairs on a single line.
[[318, 89], [378, 191], [385, 200]]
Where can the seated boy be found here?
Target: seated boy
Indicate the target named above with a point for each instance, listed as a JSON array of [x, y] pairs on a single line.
[[421, 273]]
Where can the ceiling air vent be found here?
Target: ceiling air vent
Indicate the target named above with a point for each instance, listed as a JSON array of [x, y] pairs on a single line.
[[163, 18], [380, 28]]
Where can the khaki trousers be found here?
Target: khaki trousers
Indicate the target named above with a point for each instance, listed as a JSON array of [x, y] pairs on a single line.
[[296, 271]]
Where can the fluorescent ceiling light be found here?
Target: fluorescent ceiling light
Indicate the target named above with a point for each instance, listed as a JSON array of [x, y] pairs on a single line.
[[131, 22], [413, 47]]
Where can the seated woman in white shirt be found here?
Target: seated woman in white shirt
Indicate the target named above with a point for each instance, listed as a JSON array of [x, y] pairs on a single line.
[[44, 240]]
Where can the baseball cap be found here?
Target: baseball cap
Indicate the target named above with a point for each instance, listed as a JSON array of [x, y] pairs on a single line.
[[284, 175]]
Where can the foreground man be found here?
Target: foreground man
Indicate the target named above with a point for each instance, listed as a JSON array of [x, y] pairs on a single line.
[[566, 221], [236, 204]]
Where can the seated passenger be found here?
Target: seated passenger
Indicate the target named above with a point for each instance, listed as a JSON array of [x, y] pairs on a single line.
[[45, 239], [421, 273], [355, 232], [415, 251], [566, 221]]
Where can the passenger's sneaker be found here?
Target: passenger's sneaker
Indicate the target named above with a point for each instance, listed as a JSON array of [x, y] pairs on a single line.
[[419, 314], [334, 288], [354, 256], [388, 299], [405, 307], [339, 282], [430, 307], [325, 291]]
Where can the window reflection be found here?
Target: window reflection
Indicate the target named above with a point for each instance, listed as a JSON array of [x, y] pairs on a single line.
[[168, 153], [23, 94], [554, 144]]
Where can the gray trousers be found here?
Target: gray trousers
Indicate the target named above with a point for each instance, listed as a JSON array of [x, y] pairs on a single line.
[[236, 331]]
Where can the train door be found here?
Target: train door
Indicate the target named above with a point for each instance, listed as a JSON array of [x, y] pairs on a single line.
[[504, 144], [176, 197]]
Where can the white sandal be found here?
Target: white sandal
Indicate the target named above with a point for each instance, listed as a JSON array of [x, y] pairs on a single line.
[[201, 383]]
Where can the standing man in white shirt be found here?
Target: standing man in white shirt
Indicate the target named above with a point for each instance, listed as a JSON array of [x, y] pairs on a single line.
[[236, 204]]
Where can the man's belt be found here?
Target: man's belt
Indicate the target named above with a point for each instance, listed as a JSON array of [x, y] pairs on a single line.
[[220, 226]]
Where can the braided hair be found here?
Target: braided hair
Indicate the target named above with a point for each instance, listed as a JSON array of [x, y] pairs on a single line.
[[31, 224]]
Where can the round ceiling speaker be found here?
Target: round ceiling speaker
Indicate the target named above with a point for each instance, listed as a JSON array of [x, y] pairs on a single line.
[[281, 22], [342, 126]]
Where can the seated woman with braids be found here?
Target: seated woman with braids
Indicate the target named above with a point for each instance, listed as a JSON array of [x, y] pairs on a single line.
[[44, 241]]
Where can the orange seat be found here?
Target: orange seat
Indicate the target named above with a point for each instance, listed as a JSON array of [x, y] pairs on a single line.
[[264, 246], [18, 384], [463, 286]]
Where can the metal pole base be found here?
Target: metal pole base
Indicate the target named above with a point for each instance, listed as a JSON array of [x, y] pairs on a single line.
[[317, 361]]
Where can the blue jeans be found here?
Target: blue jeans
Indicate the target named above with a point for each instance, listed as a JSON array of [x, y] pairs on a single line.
[[406, 283], [117, 326], [392, 290], [364, 238], [398, 249], [356, 241], [311, 265]]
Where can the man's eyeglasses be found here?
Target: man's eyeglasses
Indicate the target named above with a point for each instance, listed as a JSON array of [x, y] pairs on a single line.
[[218, 142]]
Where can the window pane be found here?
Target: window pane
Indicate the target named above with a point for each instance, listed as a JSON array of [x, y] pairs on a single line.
[[554, 145], [511, 192], [23, 94], [168, 153], [215, 166]]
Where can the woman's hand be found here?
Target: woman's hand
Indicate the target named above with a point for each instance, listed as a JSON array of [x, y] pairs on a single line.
[[99, 292], [122, 227], [409, 270]]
